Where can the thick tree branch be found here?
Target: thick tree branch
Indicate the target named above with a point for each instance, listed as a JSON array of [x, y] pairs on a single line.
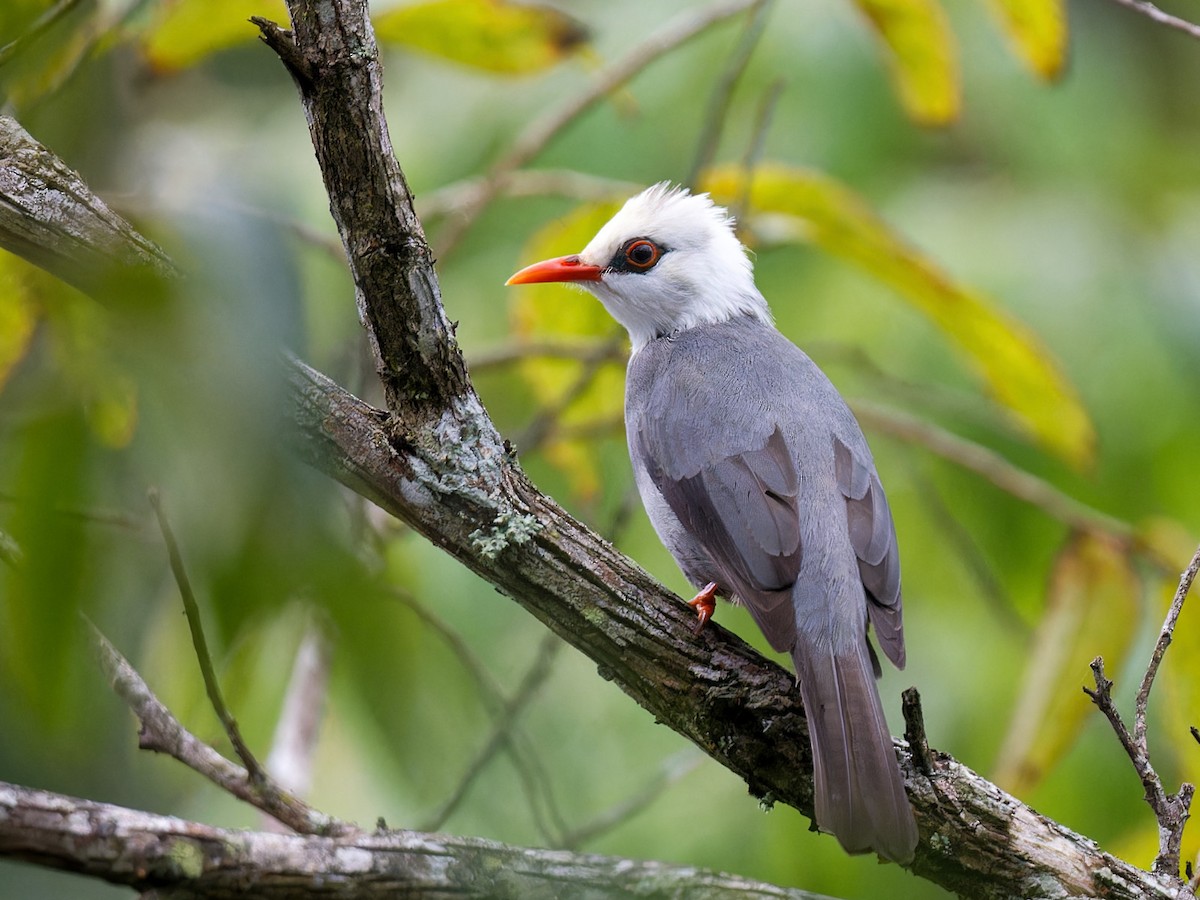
[[49, 216], [152, 852], [436, 462]]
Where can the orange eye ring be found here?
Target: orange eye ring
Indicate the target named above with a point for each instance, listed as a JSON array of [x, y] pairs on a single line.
[[642, 254]]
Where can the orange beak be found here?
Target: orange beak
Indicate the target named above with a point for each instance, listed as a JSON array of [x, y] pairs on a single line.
[[562, 268]]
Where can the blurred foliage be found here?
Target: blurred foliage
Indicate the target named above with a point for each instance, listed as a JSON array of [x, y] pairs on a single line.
[[1046, 237]]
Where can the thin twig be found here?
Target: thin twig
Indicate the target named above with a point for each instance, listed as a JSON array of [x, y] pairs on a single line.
[[914, 730], [964, 548], [496, 357], [523, 756], [1150, 11], [543, 130], [1171, 810], [200, 643], [758, 141], [293, 746], [671, 770], [1160, 646], [991, 466], [456, 198], [502, 735], [161, 732], [718, 105], [535, 433]]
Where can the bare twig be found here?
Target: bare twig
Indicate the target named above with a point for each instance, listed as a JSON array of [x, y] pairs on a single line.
[[294, 744], [756, 145], [543, 424], [161, 732], [992, 466], [1171, 810], [1150, 11], [502, 734], [200, 643], [718, 105], [914, 730], [521, 752], [543, 130], [672, 770], [1160, 646], [587, 351], [966, 550], [455, 199]]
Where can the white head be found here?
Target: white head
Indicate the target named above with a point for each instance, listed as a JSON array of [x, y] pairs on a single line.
[[666, 262]]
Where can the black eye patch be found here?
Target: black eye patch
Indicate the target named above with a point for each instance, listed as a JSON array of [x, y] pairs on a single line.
[[637, 255]]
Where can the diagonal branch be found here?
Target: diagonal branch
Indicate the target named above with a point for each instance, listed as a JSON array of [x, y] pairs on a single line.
[[162, 732], [191, 610], [436, 462]]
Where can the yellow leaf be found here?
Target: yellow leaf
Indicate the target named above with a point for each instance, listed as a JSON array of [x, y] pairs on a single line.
[[18, 315], [1037, 31], [1018, 370], [81, 336], [184, 32], [494, 35], [1093, 599], [1168, 543], [922, 56], [555, 312]]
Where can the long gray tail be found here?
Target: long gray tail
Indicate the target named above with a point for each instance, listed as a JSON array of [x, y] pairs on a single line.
[[859, 793]]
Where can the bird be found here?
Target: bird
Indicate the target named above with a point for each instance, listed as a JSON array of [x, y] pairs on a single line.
[[758, 479]]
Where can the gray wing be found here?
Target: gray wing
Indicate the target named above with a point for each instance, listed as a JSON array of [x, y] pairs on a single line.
[[873, 536], [743, 510]]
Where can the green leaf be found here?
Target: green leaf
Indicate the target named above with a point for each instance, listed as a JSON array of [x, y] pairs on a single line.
[[18, 315], [493, 35], [1092, 600], [1037, 32], [922, 56], [184, 32], [556, 312], [1018, 370]]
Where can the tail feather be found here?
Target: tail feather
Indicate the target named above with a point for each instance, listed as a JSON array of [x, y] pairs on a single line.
[[859, 794]]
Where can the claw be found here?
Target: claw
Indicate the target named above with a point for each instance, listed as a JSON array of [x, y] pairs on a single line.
[[705, 604]]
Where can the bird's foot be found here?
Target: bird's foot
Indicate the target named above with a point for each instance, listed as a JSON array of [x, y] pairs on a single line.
[[705, 604]]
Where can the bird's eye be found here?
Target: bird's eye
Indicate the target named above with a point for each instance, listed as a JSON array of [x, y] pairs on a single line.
[[642, 254]]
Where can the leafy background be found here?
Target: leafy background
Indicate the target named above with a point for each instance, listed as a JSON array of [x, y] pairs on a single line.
[[986, 238]]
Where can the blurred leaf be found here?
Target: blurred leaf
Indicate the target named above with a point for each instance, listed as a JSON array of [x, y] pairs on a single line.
[[922, 56], [84, 345], [42, 44], [183, 32], [493, 35], [1092, 601], [1167, 542], [561, 313], [40, 637], [1037, 31], [1020, 373], [18, 315]]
